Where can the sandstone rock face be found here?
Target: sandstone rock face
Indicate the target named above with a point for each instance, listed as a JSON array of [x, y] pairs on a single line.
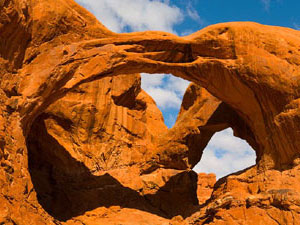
[[106, 124], [81, 145], [205, 187], [102, 135]]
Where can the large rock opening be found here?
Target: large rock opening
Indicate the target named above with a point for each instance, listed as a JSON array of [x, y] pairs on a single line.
[[96, 148]]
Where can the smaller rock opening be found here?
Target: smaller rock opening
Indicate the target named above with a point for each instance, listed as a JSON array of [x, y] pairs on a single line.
[[225, 154]]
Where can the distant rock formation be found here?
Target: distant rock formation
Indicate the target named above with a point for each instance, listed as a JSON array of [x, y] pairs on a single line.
[[82, 143]]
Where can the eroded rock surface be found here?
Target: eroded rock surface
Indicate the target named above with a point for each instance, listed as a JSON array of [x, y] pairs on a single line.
[[205, 187], [81, 145]]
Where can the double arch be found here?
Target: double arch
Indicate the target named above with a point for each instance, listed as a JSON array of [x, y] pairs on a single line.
[[229, 60]]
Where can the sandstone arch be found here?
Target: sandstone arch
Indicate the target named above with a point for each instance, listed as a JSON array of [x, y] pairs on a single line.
[[253, 69], [238, 73]]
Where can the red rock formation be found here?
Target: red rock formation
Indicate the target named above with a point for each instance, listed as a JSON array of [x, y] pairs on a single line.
[[103, 134], [67, 157], [205, 187]]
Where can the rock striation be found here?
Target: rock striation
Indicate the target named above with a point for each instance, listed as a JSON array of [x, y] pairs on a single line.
[[82, 143]]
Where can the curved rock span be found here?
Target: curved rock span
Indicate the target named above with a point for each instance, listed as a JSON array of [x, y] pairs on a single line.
[[82, 143]]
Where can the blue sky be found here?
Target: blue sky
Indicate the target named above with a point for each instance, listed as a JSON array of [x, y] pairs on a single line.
[[224, 154], [270, 12]]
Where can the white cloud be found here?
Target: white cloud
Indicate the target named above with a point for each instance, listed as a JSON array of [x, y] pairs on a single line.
[[226, 154], [178, 85], [266, 4], [137, 15], [192, 12], [152, 80], [164, 98], [166, 90]]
